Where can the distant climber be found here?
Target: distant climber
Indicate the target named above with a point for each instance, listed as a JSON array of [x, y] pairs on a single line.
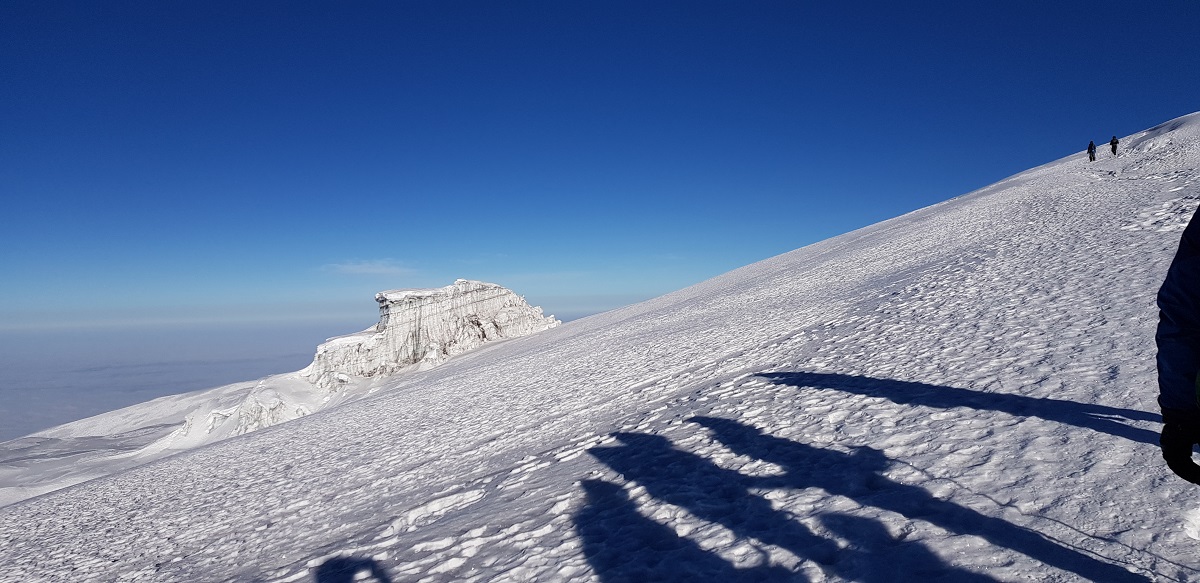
[[1113, 142], [1092, 151], [1178, 339]]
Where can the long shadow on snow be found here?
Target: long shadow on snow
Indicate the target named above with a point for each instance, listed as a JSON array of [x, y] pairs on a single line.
[[1097, 417], [623, 545], [347, 570], [858, 476]]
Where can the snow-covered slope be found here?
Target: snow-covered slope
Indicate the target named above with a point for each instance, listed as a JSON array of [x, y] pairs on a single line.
[[963, 393], [418, 329]]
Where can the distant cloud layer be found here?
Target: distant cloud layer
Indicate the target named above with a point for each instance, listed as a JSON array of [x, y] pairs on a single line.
[[369, 267]]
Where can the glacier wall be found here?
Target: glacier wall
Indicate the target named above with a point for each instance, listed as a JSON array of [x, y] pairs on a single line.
[[418, 328], [424, 327]]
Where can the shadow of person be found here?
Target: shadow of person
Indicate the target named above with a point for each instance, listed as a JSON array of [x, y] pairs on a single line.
[[857, 476], [875, 556], [721, 496], [1096, 417], [622, 546], [710, 493], [347, 569]]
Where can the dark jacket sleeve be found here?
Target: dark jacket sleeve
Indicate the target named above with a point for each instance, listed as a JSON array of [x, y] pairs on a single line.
[[1178, 335]]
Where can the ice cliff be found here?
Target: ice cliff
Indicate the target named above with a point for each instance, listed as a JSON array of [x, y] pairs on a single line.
[[425, 327], [417, 329]]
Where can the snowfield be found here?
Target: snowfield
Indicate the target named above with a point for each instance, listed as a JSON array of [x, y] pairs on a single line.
[[963, 393]]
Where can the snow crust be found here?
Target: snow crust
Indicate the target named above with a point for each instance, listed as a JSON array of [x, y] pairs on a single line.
[[963, 393]]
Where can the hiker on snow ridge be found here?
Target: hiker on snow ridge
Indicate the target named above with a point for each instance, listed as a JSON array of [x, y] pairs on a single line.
[[1113, 142], [1178, 339], [1092, 151]]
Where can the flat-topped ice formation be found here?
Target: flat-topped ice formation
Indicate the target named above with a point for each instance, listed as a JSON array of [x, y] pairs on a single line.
[[425, 327], [417, 329]]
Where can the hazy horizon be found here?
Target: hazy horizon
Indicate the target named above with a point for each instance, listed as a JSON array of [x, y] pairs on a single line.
[[57, 375]]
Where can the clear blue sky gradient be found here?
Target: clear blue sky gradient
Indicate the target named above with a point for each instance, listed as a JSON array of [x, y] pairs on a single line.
[[240, 162]]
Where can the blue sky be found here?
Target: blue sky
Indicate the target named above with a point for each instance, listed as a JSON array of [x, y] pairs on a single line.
[[273, 162]]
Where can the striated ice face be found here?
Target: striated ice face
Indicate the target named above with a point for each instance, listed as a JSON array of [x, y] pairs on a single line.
[[417, 329], [424, 327]]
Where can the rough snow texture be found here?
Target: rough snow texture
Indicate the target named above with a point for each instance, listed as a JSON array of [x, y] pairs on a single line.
[[963, 393], [424, 328], [418, 329]]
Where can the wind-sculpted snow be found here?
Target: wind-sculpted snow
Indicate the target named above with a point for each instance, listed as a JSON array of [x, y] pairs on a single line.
[[963, 393], [417, 329]]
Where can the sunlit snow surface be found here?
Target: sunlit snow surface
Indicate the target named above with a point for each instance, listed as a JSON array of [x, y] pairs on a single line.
[[964, 393]]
